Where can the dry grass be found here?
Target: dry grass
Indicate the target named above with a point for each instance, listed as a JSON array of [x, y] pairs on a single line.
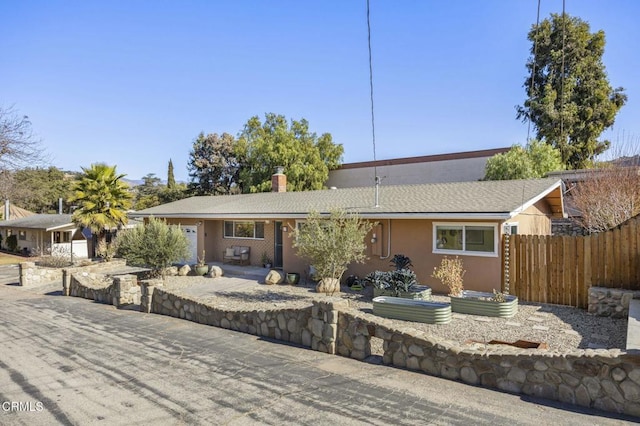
[[9, 259]]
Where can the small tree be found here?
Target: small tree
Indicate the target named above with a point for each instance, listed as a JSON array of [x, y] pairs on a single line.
[[155, 244], [332, 244], [534, 160]]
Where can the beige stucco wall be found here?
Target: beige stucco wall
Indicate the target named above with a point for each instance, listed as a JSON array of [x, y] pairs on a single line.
[[536, 220], [211, 239], [458, 170], [411, 237]]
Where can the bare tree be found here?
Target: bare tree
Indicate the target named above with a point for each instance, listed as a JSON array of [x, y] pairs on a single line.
[[607, 197], [18, 146]]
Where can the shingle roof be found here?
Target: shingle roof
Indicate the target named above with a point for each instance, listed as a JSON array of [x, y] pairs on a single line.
[[481, 198], [39, 221]]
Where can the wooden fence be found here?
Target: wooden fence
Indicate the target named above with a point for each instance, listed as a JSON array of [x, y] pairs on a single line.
[[560, 269]]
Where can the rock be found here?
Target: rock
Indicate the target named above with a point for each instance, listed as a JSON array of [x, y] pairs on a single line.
[[171, 271], [184, 270], [215, 271], [274, 277], [328, 285]]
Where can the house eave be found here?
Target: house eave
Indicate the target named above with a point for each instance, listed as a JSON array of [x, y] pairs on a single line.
[[364, 215]]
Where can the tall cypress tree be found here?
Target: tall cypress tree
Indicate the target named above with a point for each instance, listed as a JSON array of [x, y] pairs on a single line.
[[570, 102], [171, 180]]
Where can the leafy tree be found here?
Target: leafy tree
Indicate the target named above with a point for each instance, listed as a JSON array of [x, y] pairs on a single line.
[[332, 244], [148, 194], [213, 166], [102, 199], [570, 101], [39, 189], [18, 146], [171, 180], [306, 157], [534, 160], [155, 244]]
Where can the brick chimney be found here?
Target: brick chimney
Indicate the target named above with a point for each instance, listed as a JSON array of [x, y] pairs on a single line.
[[279, 180]]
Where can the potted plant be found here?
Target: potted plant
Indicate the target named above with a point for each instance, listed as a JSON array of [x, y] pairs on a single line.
[[266, 260], [451, 273], [201, 267]]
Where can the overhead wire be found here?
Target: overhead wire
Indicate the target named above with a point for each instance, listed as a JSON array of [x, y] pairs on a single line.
[[533, 67], [373, 123]]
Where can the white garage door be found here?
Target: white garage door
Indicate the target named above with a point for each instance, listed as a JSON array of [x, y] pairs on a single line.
[[192, 235]]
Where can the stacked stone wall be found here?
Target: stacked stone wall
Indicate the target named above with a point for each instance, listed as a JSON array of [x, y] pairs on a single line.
[[33, 275], [603, 379], [610, 302], [119, 291], [314, 327], [568, 227]]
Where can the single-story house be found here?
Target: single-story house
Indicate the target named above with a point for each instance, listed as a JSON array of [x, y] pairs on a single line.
[[422, 221], [46, 233]]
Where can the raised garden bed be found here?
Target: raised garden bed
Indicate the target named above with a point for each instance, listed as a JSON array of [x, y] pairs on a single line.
[[419, 292], [412, 310], [481, 303]]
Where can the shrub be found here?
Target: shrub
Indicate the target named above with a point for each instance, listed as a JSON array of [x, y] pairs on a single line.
[[450, 272], [60, 257], [332, 244], [155, 245], [12, 242]]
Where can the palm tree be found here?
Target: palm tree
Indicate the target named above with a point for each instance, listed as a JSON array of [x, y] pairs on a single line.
[[102, 199]]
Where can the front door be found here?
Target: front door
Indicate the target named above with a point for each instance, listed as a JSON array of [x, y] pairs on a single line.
[[277, 249]]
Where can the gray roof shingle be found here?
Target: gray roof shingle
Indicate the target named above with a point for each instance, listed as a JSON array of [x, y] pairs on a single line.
[[39, 221], [481, 198]]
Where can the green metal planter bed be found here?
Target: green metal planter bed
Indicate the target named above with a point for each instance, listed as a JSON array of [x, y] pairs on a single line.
[[421, 292], [480, 303], [412, 310]]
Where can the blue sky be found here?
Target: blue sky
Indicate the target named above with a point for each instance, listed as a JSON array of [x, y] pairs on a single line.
[[132, 83]]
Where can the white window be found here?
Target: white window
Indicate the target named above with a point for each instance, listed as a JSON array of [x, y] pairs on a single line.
[[472, 239], [22, 235], [244, 229]]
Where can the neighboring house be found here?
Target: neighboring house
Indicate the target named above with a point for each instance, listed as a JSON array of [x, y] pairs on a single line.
[[46, 233], [454, 167], [14, 212], [424, 222]]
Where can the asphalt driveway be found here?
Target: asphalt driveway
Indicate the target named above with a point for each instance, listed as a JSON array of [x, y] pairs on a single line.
[[88, 363]]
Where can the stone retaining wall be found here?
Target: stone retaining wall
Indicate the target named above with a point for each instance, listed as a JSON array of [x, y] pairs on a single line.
[[32, 274], [119, 291], [314, 327], [610, 302], [604, 379]]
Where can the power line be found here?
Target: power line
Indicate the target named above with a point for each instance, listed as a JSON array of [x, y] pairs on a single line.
[[533, 68], [373, 123]]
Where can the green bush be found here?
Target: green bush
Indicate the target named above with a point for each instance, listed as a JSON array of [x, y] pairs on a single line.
[[12, 242], [332, 244], [154, 245]]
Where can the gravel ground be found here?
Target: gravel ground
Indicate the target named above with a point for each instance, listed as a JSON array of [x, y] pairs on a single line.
[[562, 328]]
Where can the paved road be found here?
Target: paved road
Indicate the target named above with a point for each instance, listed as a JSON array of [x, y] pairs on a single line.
[[88, 363]]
